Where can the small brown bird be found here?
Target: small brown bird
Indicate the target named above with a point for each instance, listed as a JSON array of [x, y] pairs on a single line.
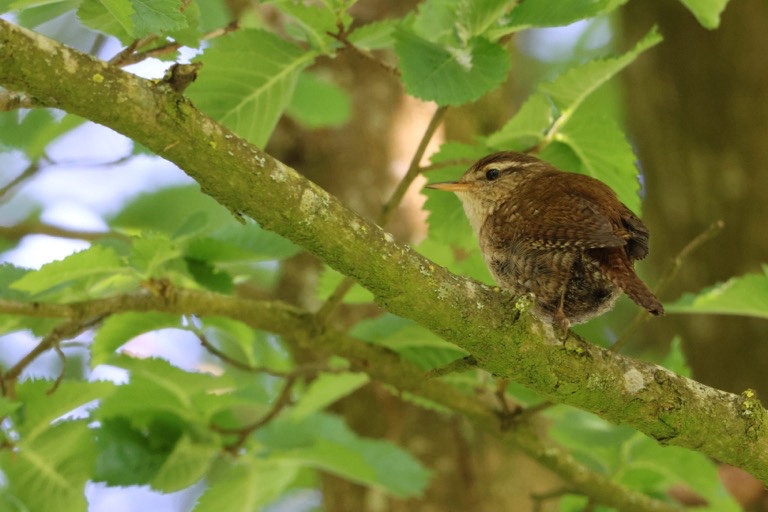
[[564, 237]]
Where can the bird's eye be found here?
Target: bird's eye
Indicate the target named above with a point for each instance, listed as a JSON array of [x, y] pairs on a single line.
[[492, 174]]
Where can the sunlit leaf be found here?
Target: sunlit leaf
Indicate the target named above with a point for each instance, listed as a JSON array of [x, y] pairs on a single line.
[[325, 442], [187, 463], [49, 472], [95, 261], [527, 127], [41, 409], [120, 328], [248, 80], [570, 89], [312, 22], [555, 13], [746, 295], [675, 359], [326, 389], [706, 11], [605, 154], [450, 75], [319, 103], [247, 483], [374, 36], [109, 16]]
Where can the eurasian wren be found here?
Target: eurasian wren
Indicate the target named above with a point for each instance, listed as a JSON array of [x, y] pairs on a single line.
[[564, 237]]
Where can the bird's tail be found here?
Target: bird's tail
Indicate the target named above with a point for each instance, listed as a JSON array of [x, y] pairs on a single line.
[[623, 275]]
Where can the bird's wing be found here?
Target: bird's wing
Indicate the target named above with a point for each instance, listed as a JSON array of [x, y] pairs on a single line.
[[567, 213]]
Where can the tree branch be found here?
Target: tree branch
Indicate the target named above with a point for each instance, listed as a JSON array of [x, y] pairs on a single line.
[[381, 364], [24, 228], [651, 399]]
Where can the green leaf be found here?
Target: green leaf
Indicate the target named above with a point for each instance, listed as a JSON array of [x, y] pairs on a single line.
[[248, 80], [675, 360], [84, 267], [605, 154], [706, 11], [450, 75], [398, 334], [374, 36], [236, 242], [478, 16], [19, 5], [527, 128], [448, 224], [331, 279], [216, 14], [151, 253], [571, 88], [8, 323], [34, 131], [247, 484], [192, 210], [187, 463], [661, 467], [325, 442], [594, 441], [7, 406], [413, 342], [437, 21], [242, 342], [746, 295], [157, 17], [555, 13], [109, 16], [191, 34], [127, 455], [327, 389], [158, 387], [208, 276], [40, 409], [319, 103], [49, 472], [10, 274], [36, 16], [311, 22], [120, 328]]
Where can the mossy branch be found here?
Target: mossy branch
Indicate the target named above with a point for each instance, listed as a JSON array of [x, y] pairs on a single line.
[[665, 406]]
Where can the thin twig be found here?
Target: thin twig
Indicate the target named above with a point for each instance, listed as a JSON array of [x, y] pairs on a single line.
[[283, 400], [63, 331], [341, 36], [131, 55], [667, 277], [32, 169], [62, 372], [80, 164], [304, 369], [238, 364], [387, 210], [413, 169], [24, 228], [457, 366]]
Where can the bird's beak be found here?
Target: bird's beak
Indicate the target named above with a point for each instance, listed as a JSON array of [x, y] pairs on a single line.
[[451, 186]]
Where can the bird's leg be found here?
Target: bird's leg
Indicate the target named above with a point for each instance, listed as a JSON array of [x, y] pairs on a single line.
[[559, 317]]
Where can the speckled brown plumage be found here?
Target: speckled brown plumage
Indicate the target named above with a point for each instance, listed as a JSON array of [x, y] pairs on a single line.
[[564, 237]]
